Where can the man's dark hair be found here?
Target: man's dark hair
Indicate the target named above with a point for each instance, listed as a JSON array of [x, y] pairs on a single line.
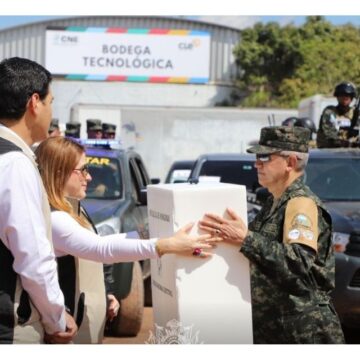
[[19, 80]]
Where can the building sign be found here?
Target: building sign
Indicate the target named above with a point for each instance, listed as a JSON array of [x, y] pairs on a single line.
[[116, 54]]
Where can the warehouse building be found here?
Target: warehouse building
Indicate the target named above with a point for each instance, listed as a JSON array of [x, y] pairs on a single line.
[[160, 80]]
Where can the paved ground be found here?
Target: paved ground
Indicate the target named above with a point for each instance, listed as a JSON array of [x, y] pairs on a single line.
[[352, 336]]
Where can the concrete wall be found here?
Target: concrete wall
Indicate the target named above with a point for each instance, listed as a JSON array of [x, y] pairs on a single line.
[[69, 93], [164, 122], [164, 135]]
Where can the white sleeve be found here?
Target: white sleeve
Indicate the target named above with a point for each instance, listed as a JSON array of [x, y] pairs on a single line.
[[23, 231], [70, 237]]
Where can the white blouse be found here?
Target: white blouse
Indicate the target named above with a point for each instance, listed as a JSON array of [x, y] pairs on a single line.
[[70, 238]]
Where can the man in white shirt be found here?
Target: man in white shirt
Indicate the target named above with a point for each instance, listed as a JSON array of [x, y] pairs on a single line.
[[31, 302]]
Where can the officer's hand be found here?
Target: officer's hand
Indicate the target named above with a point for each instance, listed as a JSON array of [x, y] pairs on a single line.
[[232, 231]]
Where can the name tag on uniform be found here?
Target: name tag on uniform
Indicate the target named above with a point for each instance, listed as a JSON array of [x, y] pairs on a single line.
[[344, 122]]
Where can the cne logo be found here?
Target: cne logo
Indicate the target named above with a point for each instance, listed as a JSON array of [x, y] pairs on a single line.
[[65, 39]]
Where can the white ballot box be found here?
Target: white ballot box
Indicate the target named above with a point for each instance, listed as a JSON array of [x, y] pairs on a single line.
[[197, 300]]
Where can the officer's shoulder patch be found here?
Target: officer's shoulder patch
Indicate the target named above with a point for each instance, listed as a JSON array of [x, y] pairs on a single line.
[[301, 222]]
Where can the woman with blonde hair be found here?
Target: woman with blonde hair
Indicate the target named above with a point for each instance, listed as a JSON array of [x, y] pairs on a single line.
[[80, 251]]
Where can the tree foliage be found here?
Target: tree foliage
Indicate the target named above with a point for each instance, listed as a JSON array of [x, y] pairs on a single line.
[[279, 66]]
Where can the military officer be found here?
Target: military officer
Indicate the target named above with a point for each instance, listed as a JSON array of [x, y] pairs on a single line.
[[335, 122], [288, 245], [94, 128], [108, 131]]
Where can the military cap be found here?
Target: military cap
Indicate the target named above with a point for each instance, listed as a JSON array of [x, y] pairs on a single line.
[[93, 125], [72, 133], [282, 138], [54, 125], [73, 129], [108, 128], [73, 126]]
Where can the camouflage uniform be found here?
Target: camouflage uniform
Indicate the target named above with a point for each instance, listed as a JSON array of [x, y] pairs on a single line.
[[334, 128], [291, 257]]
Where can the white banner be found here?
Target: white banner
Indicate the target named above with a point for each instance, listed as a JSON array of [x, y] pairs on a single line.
[[129, 54]]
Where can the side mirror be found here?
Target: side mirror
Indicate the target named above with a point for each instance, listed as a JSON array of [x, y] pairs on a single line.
[[155, 181], [143, 197], [262, 195]]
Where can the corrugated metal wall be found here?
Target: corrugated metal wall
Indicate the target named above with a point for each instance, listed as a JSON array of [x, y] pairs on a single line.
[[29, 40]]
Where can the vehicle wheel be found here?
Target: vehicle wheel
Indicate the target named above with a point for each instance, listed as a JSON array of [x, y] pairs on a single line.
[[128, 322], [148, 291]]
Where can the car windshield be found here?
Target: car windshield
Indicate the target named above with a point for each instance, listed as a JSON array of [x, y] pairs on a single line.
[[233, 172], [179, 176], [106, 178], [334, 179]]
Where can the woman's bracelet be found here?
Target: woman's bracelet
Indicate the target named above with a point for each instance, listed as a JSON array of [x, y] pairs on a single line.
[[157, 248]]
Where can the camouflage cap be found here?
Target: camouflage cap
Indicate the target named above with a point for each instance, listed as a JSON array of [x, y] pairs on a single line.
[[109, 128], [74, 133], [93, 125], [282, 138], [73, 126]]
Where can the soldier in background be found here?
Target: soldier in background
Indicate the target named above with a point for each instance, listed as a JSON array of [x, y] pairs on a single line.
[[288, 244], [335, 121], [94, 129], [54, 129], [73, 130], [108, 131]]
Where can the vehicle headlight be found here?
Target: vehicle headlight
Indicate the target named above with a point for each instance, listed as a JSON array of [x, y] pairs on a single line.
[[340, 240], [108, 227]]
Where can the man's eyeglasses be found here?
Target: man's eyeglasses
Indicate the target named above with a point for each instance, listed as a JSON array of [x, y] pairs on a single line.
[[267, 157], [263, 157], [84, 170]]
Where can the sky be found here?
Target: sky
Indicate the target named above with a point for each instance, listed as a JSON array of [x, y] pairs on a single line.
[[238, 14], [230, 20]]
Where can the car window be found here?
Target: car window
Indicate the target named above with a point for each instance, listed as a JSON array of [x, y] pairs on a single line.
[[233, 172], [179, 176], [106, 178], [334, 179], [142, 172]]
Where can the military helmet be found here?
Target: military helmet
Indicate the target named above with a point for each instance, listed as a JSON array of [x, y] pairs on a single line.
[[345, 88], [306, 123], [290, 121]]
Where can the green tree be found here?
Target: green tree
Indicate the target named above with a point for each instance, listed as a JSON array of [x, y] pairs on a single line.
[[281, 65]]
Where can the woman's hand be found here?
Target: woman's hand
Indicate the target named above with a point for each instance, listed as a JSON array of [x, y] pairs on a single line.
[[232, 231], [184, 244]]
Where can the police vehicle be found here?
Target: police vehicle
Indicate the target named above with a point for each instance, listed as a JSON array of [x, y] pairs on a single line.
[[116, 202]]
